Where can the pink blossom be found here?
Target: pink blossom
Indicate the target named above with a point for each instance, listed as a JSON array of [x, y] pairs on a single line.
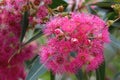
[[77, 40], [12, 56], [41, 13], [47, 1], [9, 71], [53, 60], [95, 62]]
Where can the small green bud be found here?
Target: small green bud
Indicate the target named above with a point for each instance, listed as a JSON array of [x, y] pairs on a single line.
[[110, 22], [116, 8]]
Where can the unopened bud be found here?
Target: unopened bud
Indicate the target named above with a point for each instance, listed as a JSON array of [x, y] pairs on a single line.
[[110, 22], [58, 31], [74, 40], [25, 8], [60, 8], [37, 2], [112, 6], [116, 7]]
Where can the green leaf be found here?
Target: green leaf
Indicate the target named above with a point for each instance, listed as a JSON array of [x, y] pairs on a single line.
[[36, 70], [45, 76], [100, 72], [111, 49], [92, 11], [113, 0], [80, 75], [116, 24], [56, 3], [25, 23], [39, 34], [115, 43], [117, 76], [105, 4], [52, 76], [111, 15], [30, 63]]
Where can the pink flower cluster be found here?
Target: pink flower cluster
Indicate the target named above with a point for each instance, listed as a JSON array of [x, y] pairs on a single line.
[[37, 8], [39, 11], [12, 56], [75, 41]]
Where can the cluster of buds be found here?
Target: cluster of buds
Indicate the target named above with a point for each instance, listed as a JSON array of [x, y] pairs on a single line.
[[116, 7]]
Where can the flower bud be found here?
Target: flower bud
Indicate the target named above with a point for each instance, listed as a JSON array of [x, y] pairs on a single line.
[[110, 22], [60, 8], [37, 2], [116, 8], [58, 31], [74, 40]]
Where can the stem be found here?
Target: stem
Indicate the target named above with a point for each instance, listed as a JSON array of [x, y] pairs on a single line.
[[86, 76], [117, 19], [52, 76]]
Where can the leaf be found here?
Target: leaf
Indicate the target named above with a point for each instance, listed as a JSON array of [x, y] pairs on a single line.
[[111, 15], [29, 33], [25, 23], [56, 3], [92, 11], [79, 75], [36, 70], [115, 43], [116, 24], [42, 40], [113, 0], [117, 76], [105, 4], [45, 76], [40, 33], [100, 72], [111, 49], [52, 76], [30, 63]]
